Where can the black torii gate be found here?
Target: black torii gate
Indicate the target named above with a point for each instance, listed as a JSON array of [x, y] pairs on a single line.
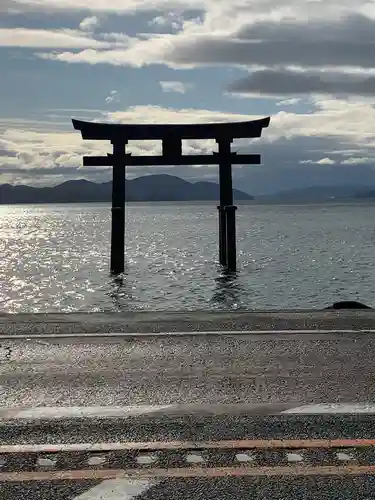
[[171, 137]]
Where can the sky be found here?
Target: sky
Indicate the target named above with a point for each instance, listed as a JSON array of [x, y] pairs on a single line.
[[308, 64]]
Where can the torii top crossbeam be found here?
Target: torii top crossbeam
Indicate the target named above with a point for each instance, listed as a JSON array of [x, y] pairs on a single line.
[[112, 131]]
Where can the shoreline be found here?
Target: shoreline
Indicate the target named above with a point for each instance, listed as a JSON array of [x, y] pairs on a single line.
[[259, 201]]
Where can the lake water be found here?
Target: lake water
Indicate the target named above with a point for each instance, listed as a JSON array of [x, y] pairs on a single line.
[[55, 258]]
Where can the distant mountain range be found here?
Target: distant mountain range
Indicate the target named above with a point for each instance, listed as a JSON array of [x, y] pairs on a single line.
[[366, 194], [165, 187], [320, 194], [147, 188]]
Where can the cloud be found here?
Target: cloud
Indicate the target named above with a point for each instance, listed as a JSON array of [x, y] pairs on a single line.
[[289, 102], [322, 161], [174, 86], [288, 49], [326, 161], [329, 145], [321, 43], [159, 114], [170, 20], [89, 23], [112, 97], [284, 82], [358, 161], [129, 52], [117, 6], [23, 37], [233, 8]]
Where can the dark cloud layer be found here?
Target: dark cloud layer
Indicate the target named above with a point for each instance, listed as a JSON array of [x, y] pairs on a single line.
[[317, 53], [347, 42], [345, 29]]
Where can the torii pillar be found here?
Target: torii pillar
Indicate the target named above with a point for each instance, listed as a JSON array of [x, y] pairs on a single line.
[[227, 230], [118, 207]]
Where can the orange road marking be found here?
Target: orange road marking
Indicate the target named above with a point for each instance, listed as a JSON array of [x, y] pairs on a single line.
[[187, 472]]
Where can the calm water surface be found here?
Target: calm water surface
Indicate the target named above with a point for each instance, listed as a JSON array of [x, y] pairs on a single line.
[[56, 258]]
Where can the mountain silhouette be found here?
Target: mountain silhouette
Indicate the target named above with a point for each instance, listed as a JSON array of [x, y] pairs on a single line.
[[160, 187], [316, 193]]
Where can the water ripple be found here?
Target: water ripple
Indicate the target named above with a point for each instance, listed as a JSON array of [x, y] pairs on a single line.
[[55, 258]]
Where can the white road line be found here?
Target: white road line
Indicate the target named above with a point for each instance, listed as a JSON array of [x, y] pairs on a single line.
[[72, 412], [332, 408], [54, 336], [344, 456], [245, 457], [56, 412], [116, 489], [294, 457]]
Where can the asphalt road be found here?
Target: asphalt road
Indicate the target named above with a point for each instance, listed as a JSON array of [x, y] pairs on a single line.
[[264, 489], [196, 427], [322, 488], [236, 369], [296, 368]]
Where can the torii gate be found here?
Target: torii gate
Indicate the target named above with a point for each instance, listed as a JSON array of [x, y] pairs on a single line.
[[171, 137]]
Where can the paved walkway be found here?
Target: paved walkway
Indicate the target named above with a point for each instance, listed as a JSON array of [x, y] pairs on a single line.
[[143, 322]]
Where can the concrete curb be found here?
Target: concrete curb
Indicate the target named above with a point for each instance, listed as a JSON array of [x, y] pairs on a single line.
[[221, 333]]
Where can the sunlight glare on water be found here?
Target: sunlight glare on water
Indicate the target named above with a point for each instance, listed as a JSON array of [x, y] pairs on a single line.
[[56, 257]]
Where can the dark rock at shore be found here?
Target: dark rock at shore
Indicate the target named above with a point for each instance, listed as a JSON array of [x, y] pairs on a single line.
[[348, 304]]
